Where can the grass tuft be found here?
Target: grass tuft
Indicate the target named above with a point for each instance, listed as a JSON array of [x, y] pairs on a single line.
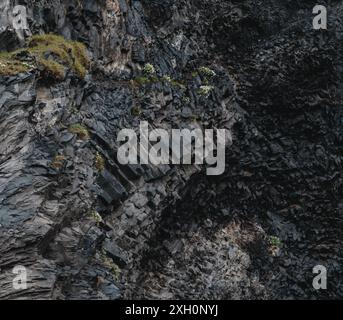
[[99, 162], [58, 161], [10, 65], [52, 53], [80, 130]]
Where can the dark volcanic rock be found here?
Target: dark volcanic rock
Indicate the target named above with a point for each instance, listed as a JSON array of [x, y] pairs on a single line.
[[86, 232]]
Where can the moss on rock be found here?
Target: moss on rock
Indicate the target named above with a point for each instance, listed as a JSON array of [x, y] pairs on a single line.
[[52, 54], [80, 130]]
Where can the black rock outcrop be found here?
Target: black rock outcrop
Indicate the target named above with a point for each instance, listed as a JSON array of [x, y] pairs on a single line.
[[87, 227]]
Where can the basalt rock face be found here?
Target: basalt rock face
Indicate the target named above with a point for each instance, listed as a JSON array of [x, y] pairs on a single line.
[[255, 232]]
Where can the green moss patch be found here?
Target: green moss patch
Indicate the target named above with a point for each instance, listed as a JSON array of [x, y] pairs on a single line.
[[52, 54]]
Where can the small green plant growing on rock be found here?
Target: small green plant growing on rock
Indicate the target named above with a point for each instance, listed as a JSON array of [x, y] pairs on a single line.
[[178, 84], [80, 130], [116, 272], [205, 90], [99, 162], [52, 54], [149, 76], [149, 69], [207, 72], [274, 245], [136, 111], [141, 81], [186, 100], [108, 263], [194, 74], [95, 216], [167, 78], [275, 242]]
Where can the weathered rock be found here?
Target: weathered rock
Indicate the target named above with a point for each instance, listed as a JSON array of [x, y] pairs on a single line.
[[171, 232]]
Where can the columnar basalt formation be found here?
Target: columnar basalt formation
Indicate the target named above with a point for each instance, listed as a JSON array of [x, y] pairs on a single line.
[[87, 227]]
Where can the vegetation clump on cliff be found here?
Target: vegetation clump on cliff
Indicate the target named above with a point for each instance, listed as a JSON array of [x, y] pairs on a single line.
[[51, 54]]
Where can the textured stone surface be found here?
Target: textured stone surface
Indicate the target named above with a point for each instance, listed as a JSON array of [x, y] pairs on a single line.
[[172, 232]]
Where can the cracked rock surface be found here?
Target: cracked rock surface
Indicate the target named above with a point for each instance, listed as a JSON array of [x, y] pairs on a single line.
[[171, 232]]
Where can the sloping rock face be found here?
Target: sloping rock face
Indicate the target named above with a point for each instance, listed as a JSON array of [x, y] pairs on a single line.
[[255, 232]]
